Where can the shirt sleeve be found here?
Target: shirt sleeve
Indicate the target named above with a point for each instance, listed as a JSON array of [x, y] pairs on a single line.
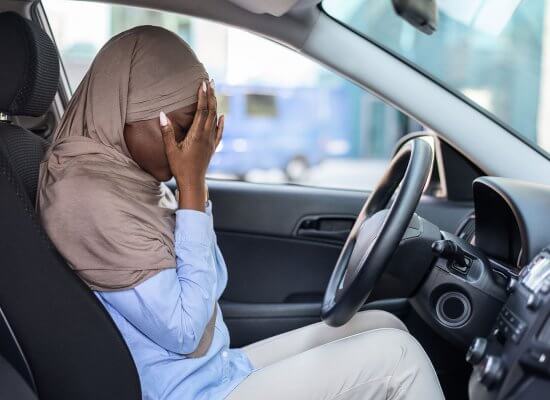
[[173, 307]]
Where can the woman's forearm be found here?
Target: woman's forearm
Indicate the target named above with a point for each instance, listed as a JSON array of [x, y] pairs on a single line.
[[196, 270]]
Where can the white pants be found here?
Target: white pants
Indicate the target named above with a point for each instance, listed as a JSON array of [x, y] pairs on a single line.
[[371, 357]]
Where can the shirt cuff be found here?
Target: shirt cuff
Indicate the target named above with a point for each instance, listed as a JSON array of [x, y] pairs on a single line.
[[193, 227]]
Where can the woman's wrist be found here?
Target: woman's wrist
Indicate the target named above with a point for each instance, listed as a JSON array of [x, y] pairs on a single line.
[[192, 194]]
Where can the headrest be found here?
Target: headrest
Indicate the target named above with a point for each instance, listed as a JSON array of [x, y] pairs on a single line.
[[29, 71]]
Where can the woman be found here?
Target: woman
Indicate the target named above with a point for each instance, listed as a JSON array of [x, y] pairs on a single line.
[[145, 112]]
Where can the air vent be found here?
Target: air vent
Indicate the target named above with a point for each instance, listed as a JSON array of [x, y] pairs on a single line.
[[467, 229]]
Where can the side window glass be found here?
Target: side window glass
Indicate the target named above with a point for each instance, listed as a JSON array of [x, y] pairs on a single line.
[[288, 119]]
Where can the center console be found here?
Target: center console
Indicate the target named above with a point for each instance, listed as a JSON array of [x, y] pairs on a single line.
[[513, 362]]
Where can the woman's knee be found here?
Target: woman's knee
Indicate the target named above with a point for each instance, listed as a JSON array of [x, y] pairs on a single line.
[[384, 359], [376, 319], [413, 375]]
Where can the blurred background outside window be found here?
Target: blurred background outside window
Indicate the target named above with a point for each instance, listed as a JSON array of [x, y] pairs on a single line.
[[496, 53], [287, 118]]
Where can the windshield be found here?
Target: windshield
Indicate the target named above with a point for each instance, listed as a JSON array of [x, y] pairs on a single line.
[[494, 52]]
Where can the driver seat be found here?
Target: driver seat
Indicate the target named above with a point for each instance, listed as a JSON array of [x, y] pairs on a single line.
[[53, 330]]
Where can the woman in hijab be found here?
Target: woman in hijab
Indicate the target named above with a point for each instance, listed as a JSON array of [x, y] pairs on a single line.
[[145, 112]]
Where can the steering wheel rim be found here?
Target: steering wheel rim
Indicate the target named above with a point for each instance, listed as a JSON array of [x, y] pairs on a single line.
[[377, 232]]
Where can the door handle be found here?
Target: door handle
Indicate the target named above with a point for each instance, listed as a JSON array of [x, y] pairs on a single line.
[[333, 228], [329, 235]]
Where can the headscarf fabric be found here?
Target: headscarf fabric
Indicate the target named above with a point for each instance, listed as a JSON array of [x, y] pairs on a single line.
[[112, 221]]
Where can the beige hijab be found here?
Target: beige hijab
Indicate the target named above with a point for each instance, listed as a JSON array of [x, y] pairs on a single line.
[[112, 221]]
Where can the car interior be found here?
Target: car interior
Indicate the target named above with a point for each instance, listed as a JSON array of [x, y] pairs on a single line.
[[453, 239]]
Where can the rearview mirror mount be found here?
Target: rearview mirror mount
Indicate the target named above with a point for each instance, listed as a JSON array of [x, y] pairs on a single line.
[[422, 14]]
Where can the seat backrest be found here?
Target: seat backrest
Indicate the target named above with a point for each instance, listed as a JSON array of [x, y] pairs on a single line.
[[24, 151], [73, 349]]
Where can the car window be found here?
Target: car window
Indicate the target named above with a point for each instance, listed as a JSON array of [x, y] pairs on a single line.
[[496, 54], [288, 119]]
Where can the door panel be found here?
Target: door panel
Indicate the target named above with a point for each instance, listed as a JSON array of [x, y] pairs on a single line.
[[275, 210], [277, 275], [267, 269]]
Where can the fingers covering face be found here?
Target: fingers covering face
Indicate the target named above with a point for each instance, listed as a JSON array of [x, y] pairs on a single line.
[[168, 134], [205, 121], [212, 102], [212, 118], [219, 130], [202, 109]]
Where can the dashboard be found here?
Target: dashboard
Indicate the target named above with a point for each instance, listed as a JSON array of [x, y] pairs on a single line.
[[512, 220], [512, 361], [472, 271]]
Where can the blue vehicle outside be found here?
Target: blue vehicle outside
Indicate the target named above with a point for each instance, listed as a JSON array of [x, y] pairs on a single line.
[[275, 128]]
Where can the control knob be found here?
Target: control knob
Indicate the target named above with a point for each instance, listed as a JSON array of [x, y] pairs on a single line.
[[491, 371], [451, 251], [477, 351]]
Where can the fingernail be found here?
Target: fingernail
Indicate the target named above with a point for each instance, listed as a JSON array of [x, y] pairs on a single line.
[[163, 119], [212, 85], [204, 86]]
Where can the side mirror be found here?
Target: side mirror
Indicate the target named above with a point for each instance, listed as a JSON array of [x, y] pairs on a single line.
[[422, 14]]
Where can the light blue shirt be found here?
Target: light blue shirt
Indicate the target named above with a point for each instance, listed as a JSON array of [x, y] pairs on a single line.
[[163, 319]]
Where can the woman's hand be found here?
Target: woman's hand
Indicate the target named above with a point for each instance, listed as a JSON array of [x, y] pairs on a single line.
[[190, 157]]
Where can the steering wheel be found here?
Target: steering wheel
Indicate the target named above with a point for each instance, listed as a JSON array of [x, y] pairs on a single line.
[[377, 232]]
